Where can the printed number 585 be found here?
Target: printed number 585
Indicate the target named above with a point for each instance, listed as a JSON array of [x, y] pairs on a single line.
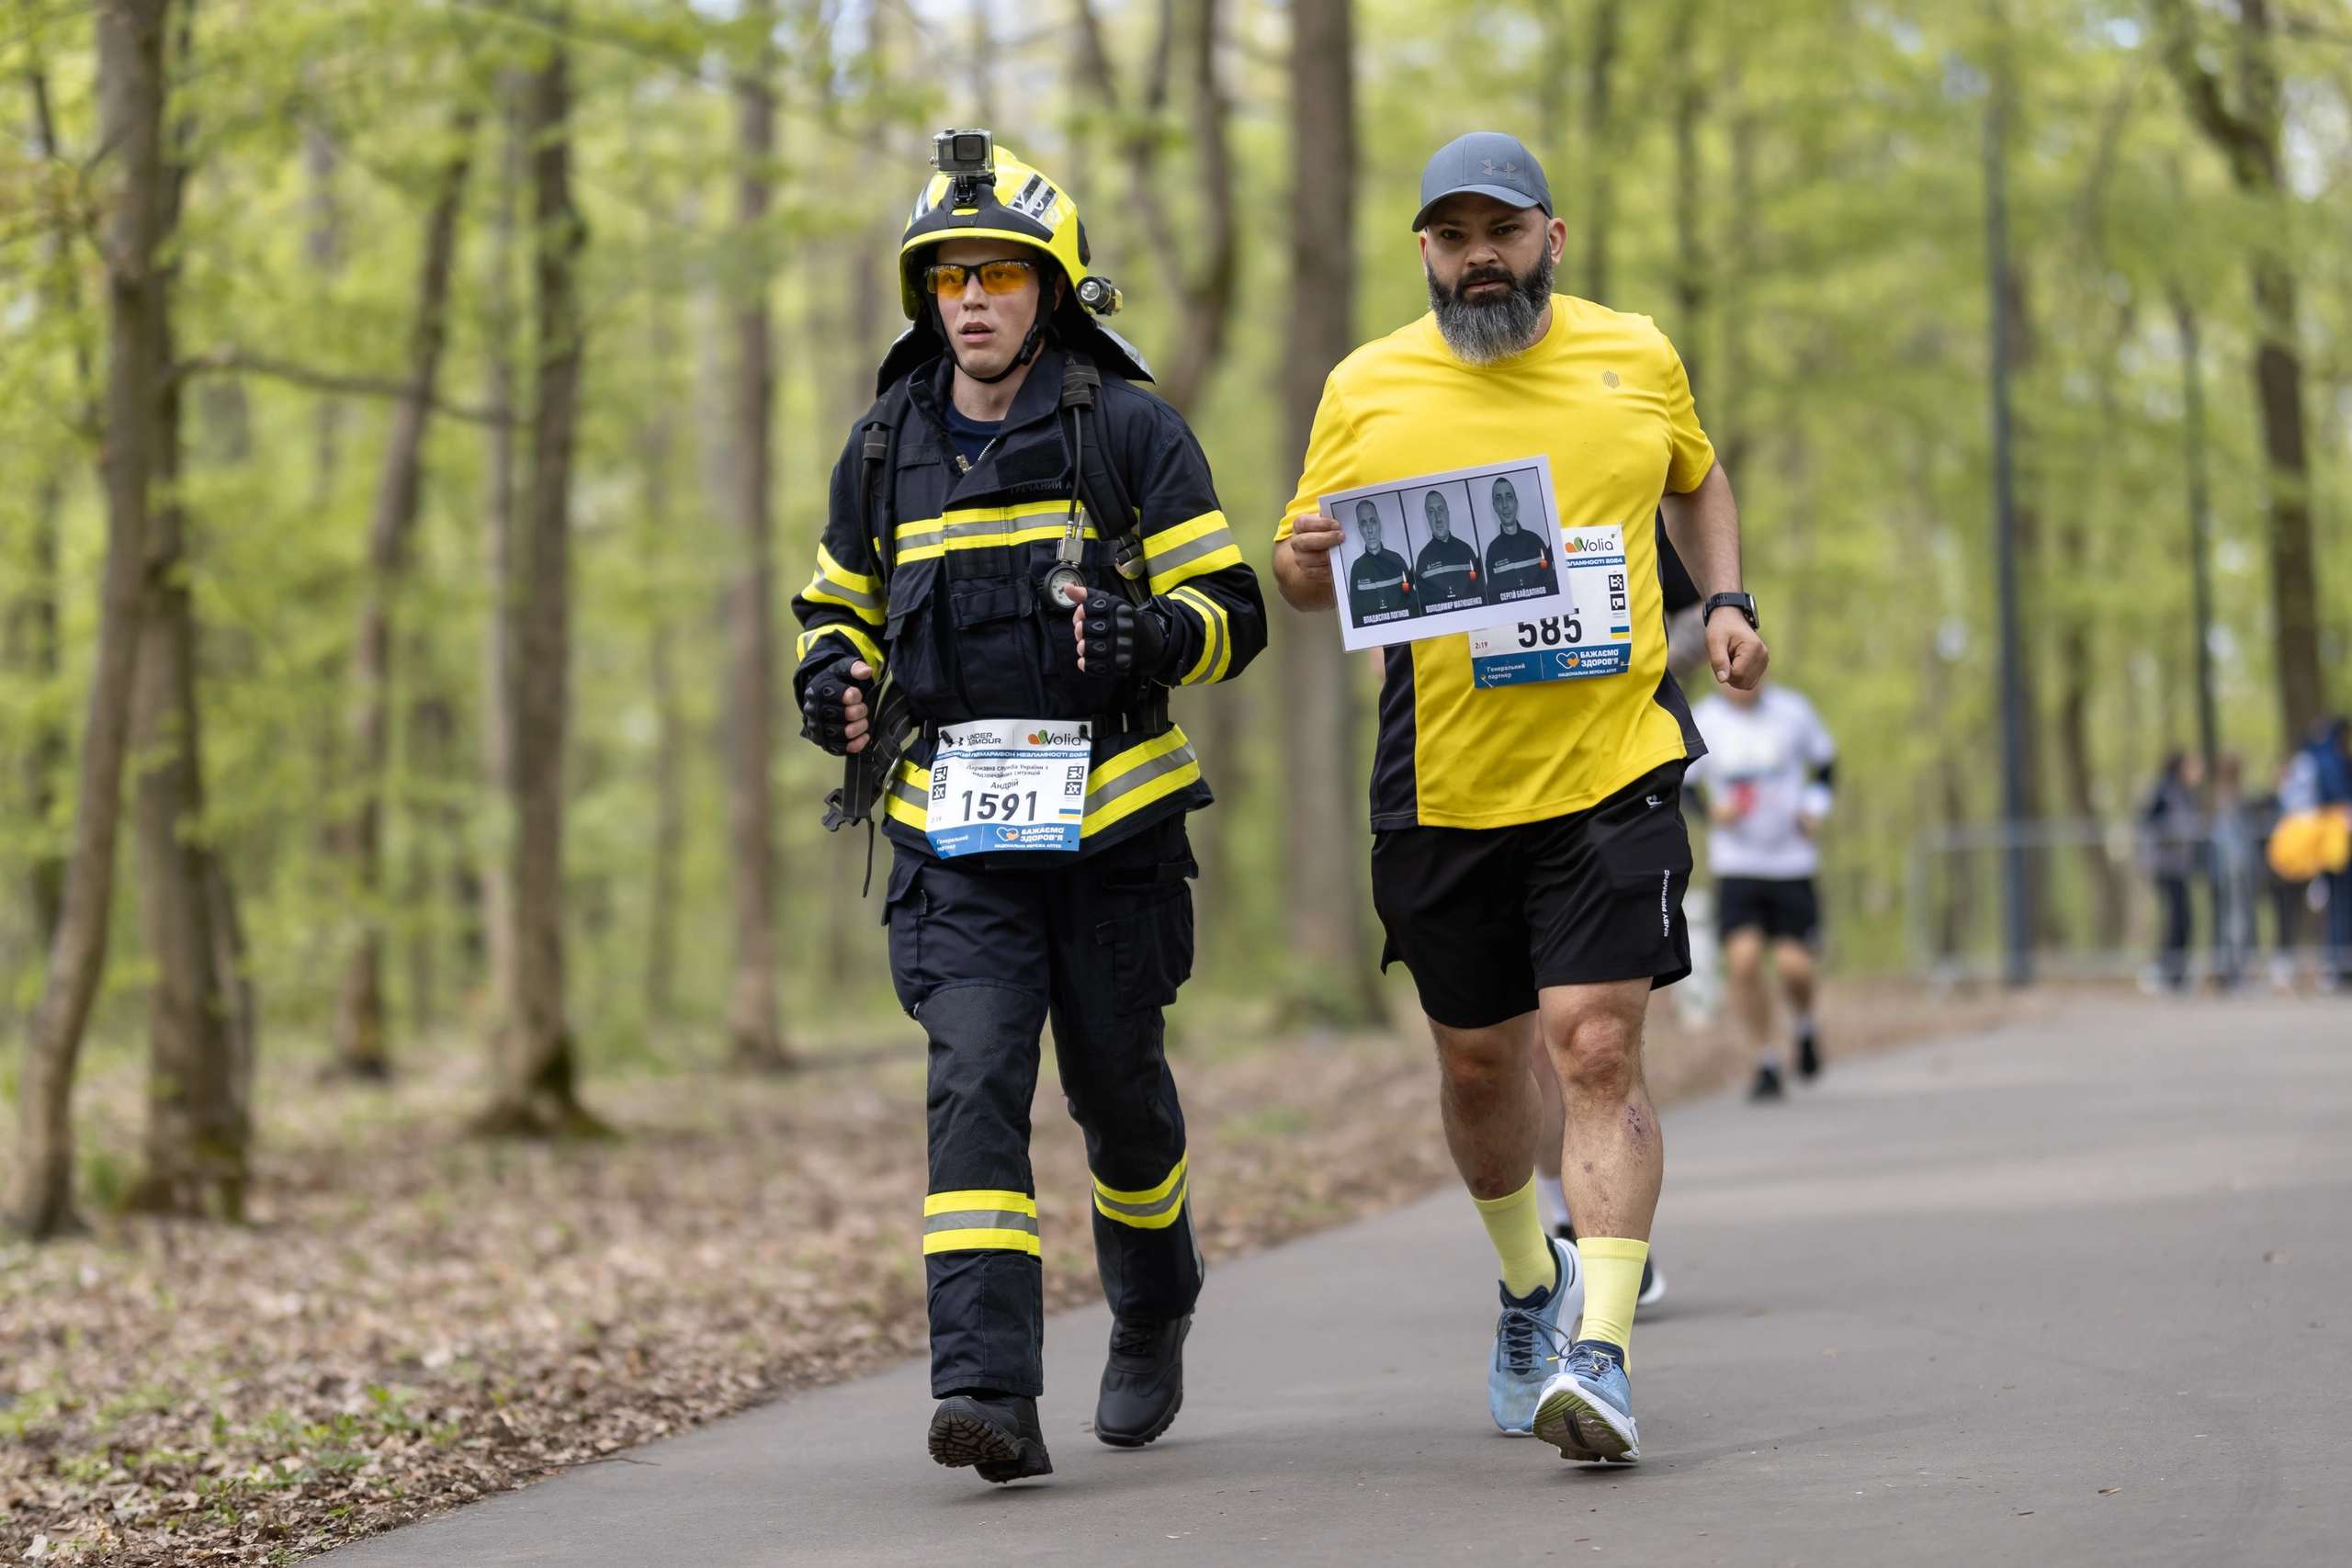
[[1551, 631]]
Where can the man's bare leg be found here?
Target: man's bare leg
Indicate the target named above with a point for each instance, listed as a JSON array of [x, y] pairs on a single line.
[[1492, 1104], [1613, 1158], [1752, 1002], [1794, 962], [1488, 1102], [1551, 1132], [1487, 1099]]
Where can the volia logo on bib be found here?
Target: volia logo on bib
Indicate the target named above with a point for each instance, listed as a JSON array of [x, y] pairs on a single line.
[[1057, 738]]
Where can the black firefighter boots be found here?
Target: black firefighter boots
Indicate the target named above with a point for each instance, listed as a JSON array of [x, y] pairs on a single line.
[[1143, 1383], [996, 1434]]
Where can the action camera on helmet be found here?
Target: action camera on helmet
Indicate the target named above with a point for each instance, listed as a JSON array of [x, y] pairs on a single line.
[[968, 160]]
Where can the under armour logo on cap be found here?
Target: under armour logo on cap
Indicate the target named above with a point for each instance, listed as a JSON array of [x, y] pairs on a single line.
[[1485, 163]]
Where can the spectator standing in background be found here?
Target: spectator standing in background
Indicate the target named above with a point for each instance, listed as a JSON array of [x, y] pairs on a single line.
[[2317, 779], [2289, 898], [2168, 842], [1766, 778], [2233, 862]]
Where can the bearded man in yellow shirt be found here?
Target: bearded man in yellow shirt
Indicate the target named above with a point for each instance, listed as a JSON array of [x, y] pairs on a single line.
[[1529, 852]]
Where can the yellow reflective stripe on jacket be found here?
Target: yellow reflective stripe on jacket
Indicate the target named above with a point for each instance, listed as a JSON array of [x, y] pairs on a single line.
[[836, 585], [908, 799], [1135, 778], [985, 527], [867, 649], [1189, 551], [1153, 1209], [982, 1221], [1216, 641]]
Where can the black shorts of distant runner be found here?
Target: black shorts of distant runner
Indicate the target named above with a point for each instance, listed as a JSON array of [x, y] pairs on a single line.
[[1780, 907], [1484, 917]]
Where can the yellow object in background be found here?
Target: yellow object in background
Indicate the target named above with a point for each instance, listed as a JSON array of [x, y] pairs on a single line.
[[2306, 843]]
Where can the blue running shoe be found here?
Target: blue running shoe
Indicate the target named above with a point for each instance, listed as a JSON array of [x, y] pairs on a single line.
[[1529, 1342], [1587, 1410]]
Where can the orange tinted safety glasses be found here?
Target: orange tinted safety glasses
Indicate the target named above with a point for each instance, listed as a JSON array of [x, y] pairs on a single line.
[[995, 276]]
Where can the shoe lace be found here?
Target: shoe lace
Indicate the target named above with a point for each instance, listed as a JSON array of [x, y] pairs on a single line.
[[1586, 1361], [1133, 1338], [1520, 1329]]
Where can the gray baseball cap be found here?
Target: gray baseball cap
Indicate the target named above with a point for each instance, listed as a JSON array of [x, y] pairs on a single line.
[[1485, 162]]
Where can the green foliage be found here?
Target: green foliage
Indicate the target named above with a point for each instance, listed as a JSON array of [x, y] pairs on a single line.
[[1829, 298]]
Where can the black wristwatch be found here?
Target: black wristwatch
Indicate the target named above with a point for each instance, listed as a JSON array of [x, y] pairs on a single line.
[[1744, 603]]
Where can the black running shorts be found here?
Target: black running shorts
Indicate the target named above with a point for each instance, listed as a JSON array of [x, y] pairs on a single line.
[[1487, 917], [1780, 905]]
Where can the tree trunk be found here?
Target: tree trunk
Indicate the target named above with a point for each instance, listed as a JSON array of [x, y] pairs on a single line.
[[1690, 248], [2294, 565], [2248, 136], [359, 1035], [322, 247], [1555, 59], [433, 734], [1600, 144], [32, 651], [655, 452], [195, 1132], [498, 550], [1205, 289], [1330, 978], [536, 1093], [668, 834], [1734, 390], [130, 89], [31, 633], [754, 1033]]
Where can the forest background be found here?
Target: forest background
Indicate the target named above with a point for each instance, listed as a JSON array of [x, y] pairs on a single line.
[[398, 245]]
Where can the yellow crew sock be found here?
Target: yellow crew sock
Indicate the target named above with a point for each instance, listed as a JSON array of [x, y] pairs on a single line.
[[1516, 1227], [1612, 1278]]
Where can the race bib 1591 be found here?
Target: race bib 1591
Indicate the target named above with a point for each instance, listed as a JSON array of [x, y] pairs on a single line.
[[1009, 783]]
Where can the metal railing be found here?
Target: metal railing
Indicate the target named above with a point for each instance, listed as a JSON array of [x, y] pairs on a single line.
[[2095, 909]]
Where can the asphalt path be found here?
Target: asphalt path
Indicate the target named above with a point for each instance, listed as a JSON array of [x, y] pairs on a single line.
[[2071, 1293]]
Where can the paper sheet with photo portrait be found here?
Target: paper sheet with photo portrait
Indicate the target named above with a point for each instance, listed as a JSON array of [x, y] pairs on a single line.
[[1448, 552]]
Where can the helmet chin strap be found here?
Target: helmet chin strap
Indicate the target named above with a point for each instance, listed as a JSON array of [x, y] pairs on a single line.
[[1029, 346]]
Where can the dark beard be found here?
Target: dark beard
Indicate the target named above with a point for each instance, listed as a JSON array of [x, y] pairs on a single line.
[[1484, 332]]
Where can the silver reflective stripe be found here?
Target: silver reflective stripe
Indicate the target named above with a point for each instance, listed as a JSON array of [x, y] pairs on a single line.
[[857, 598], [928, 538], [1447, 570], [1530, 564], [979, 1220], [1207, 544], [1143, 1211], [1384, 583], [906, 790], [1135, 778]]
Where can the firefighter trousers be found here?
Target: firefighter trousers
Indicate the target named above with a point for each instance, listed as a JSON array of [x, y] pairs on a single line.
[[983, 959]]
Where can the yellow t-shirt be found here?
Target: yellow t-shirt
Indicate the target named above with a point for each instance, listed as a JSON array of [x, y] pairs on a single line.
[[1604, 397]]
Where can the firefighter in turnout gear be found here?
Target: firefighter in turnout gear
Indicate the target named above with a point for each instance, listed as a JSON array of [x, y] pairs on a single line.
[[1380, 588], [1023, 555], [1447, 570]]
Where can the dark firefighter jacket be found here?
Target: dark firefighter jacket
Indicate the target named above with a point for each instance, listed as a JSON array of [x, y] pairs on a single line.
[[959, 622]]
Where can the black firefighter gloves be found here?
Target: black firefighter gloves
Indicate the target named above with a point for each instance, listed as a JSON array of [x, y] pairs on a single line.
[[1123, 637], [824, 703]]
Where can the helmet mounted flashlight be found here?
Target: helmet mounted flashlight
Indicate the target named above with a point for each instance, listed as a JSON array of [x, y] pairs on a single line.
[[1100, 295]]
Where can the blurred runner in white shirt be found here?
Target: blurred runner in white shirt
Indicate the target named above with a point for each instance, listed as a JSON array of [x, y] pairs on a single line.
[[1765, 781]]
